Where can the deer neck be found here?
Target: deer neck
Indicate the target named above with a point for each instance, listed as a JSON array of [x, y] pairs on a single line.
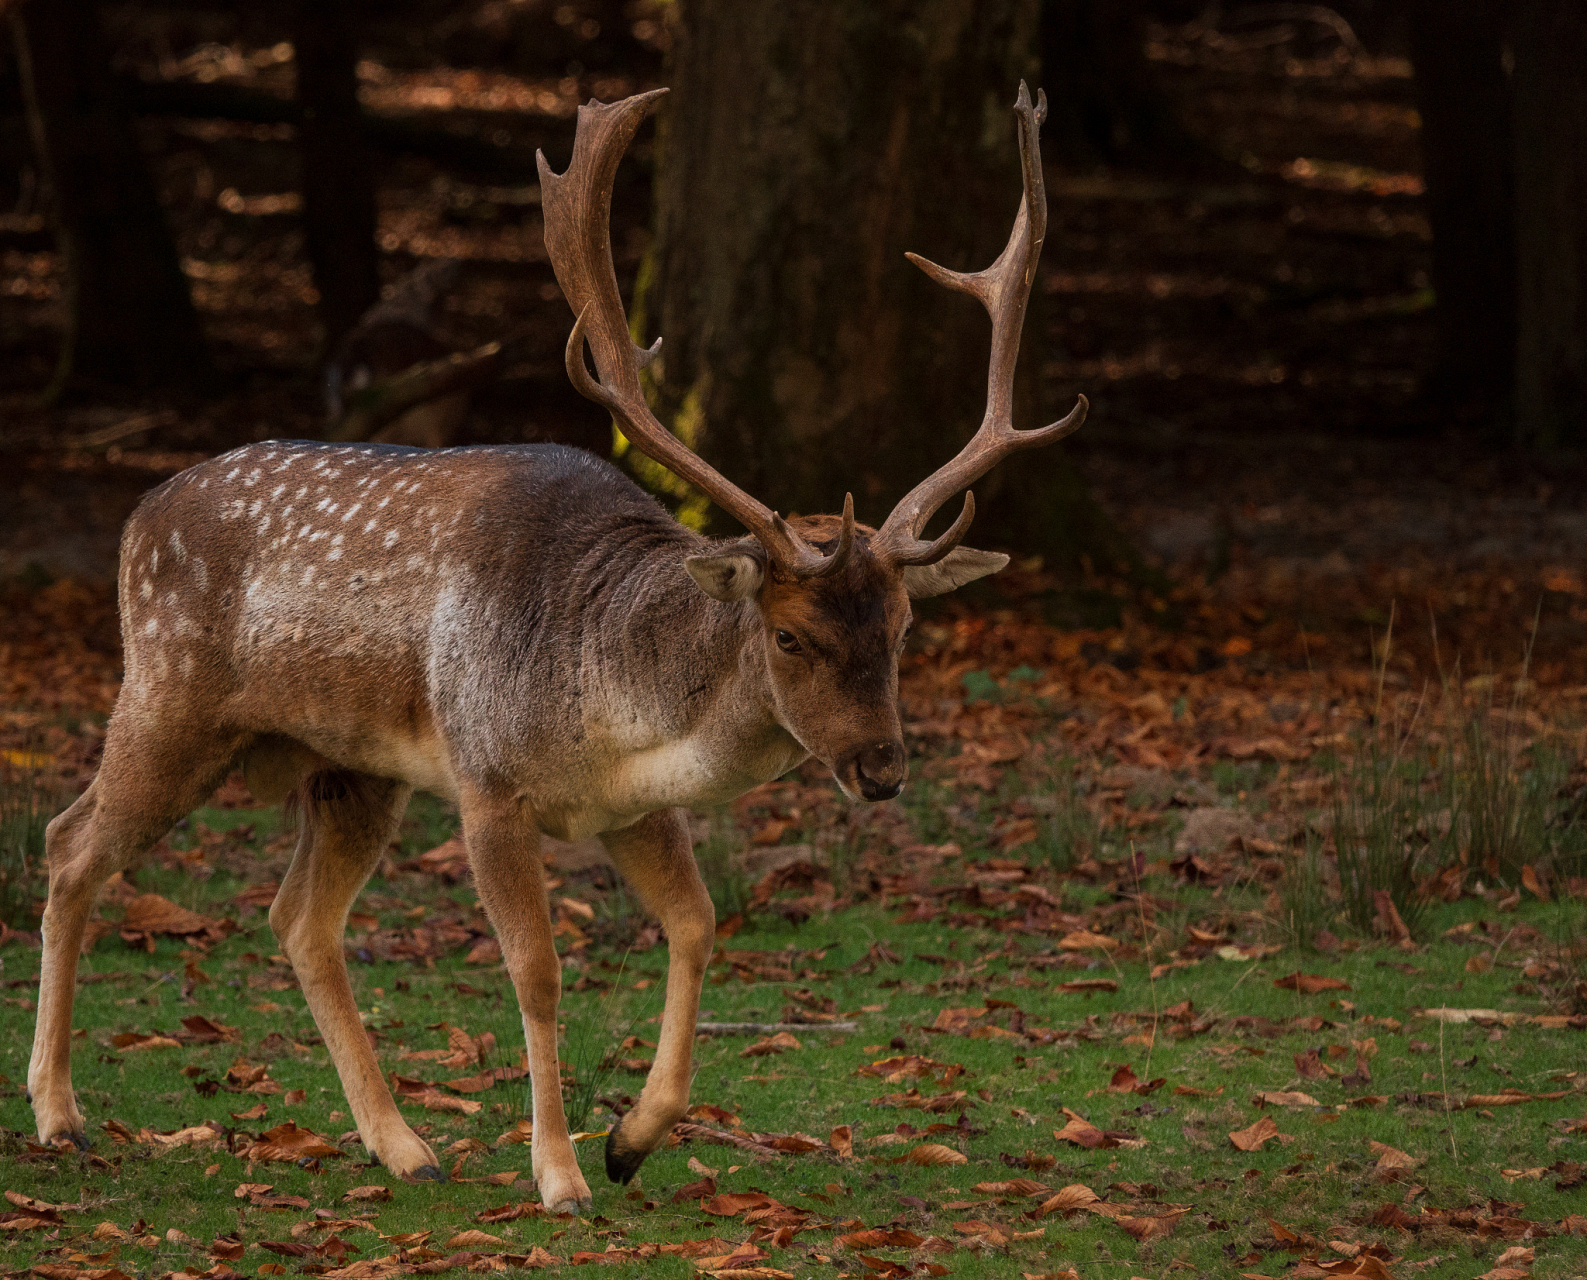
[[676, 694]]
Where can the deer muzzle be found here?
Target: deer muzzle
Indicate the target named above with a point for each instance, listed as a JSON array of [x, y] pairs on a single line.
[[875, 769]]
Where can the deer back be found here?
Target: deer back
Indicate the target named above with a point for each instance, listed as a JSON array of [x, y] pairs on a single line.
[[514, 613]]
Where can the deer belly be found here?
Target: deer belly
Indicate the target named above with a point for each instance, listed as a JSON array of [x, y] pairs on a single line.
[[422, 762]]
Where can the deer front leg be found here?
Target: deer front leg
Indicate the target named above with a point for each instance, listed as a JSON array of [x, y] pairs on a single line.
[[656, 857], [504, 851]]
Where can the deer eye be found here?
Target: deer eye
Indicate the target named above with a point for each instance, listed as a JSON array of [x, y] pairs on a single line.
[[787, 642]]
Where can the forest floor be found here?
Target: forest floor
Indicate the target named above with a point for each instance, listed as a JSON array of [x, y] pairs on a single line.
[[1373, 621]]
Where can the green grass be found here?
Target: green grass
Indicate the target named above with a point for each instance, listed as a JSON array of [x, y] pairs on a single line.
[[26, 805], [1322, 1182]]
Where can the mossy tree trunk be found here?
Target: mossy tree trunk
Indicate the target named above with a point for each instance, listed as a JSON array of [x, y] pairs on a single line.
[[806, 145], [130, 317], [1463, 95], [1550, 42], [338, 171]]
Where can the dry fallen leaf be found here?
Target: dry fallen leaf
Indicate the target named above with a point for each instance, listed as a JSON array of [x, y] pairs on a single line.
[[1392, 1157], [1252, 1138], [842, 1140], [1511, 1097], [128, 1041], [150, 913], [934, 1153], [779, 1043], [473, 1239], [1125, 1081], [732, 1203], [1067, 1199], [1309, 984], [1150, 1227], [1284, 1098], [1017, 1187], [1085, 940], [288, 1142], [1184, 1090]]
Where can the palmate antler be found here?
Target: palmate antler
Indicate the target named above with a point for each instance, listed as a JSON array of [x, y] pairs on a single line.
[[577, 207], [1004, 290]]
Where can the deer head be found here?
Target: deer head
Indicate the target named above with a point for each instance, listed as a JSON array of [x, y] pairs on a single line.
[[832, 596]]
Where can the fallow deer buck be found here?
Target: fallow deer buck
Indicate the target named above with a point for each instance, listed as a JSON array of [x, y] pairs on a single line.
[[524, 631]]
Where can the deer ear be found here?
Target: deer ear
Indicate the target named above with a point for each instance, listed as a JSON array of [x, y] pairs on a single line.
[[728, 578], [961, 565]]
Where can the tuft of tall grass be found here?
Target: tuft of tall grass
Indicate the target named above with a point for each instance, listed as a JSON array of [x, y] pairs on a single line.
[[27, 804], [1503, 784], [1073, 829], [724, 878], [1303, 894], [1479, 791], [594, 1046], [1383, 805]]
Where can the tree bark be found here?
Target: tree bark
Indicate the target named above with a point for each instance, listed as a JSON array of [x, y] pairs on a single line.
[[1106, 102], [1464, 97], [338, 175], [130, 317], [1550, 42], [807, 144]]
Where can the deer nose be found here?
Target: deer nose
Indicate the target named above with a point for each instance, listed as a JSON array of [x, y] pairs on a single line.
[[877, 769]]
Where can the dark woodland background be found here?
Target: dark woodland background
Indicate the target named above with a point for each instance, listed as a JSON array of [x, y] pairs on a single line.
[[1321, 272]]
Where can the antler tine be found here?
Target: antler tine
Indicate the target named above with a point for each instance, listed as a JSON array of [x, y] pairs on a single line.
[[1004, 290], [845, 548], [577, 206]]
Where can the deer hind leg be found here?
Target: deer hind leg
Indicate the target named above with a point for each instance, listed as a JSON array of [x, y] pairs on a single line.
[[348, 819], [146, 782], [504, 851], [656, 856]]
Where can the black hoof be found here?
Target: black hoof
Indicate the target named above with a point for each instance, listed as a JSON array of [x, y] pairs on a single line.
[[78, 1140], [622, 1162], [425, 1173]]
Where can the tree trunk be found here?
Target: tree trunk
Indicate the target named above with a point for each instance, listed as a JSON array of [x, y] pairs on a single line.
[[1106, 102], [1463, 94], [130, 317], [338, 176], [1550, 41], [807, 145]]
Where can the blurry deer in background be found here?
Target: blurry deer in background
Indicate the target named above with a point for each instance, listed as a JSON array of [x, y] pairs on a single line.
[[393, 379], [524, 631]]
